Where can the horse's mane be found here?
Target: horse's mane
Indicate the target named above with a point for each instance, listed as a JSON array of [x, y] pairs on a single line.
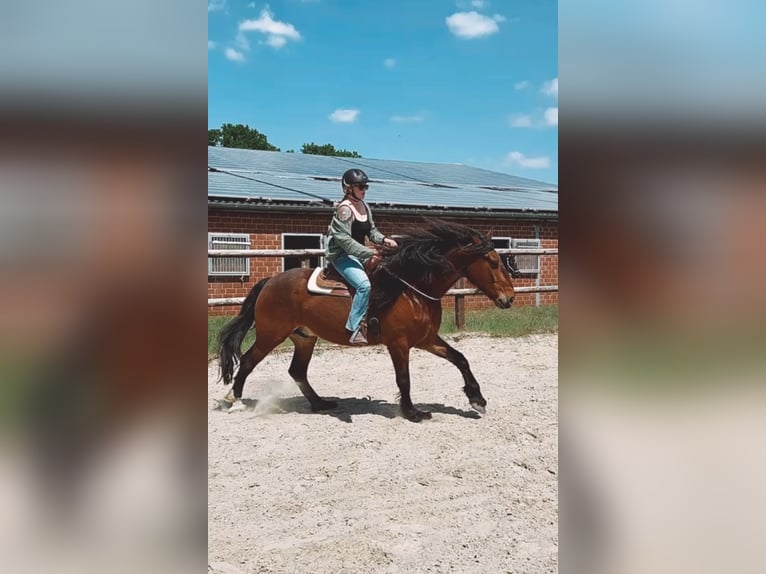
[[421, 257]]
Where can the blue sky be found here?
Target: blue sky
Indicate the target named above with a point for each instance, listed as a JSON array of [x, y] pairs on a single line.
[[453, 81]]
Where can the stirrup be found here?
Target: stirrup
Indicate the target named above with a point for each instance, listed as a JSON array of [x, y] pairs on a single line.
[[358, 337]]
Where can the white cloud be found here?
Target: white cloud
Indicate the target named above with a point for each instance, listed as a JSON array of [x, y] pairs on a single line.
[[344, 116], [521, 121], [473, 24], [276, 41], [216, 5], [405, 119], [552, 116], [234, 56], [210, 45], [551, 88], [523, 85], [277, 33], [518, 158], [389, 62], [498, 18]]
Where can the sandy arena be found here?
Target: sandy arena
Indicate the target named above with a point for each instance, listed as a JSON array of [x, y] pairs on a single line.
[[362, 490]]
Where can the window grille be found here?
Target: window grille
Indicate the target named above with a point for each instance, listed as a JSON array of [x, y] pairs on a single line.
[[525, 264], [228, 266]]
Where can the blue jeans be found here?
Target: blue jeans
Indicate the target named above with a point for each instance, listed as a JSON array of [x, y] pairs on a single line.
[[353, 272]]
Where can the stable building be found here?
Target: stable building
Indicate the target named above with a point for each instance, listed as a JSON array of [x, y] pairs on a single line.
[[279, 200]]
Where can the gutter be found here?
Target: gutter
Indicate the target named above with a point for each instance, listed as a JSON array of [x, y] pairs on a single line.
[[387, 210]]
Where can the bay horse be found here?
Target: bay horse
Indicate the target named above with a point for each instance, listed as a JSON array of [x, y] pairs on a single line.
[[407, 287]]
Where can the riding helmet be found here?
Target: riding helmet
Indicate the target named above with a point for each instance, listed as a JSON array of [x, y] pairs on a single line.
[[353, 177]]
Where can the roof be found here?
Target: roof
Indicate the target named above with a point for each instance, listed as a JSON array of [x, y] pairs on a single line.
[[265, 177]]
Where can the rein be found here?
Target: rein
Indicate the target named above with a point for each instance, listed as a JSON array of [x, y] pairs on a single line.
[[410, 285]]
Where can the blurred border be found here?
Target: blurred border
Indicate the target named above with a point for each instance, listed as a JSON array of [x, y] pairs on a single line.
[[663, 307], [103, 447]]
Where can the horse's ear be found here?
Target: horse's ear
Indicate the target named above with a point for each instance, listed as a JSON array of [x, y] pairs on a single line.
[[490, 234]]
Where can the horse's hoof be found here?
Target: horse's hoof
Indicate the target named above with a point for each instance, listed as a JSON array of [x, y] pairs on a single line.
[[237, 407], [479, 408], [416, 416], [223, 405], [323, 406]]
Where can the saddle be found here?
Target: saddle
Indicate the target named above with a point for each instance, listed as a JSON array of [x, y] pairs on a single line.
[[327, 280]]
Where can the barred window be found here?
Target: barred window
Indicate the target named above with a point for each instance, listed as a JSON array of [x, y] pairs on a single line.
[[527, 263], [522, 263], [228, 266]]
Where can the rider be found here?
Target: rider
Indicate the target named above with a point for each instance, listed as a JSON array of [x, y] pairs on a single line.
[[346, 251]]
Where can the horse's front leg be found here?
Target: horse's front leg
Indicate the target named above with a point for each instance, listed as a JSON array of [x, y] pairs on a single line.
[[440, 348], [400, 355]]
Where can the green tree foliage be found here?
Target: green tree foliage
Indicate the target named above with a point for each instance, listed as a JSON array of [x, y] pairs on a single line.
[[213, 137], [242, 136], [327, 149]]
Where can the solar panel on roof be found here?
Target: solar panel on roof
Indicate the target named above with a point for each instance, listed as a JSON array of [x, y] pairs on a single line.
[[280, 176]]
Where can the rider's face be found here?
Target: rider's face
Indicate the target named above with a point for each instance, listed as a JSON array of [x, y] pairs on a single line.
[[358, 190]]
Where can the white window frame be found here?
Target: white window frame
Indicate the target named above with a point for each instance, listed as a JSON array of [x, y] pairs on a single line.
[[523, 261], [322, 242], [228, 266]]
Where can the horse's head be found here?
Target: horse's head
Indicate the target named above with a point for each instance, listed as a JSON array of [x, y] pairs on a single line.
[[436, 254], [490, 276]]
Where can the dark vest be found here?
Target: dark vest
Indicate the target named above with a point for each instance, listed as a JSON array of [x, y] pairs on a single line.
[[360, 230]]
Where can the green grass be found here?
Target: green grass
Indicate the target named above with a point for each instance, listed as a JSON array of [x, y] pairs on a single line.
[[515, 322]]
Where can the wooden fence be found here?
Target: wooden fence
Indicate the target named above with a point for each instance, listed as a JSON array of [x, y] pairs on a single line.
[[305, 254]]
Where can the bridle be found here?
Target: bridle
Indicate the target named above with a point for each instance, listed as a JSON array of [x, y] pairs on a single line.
[[410, 285]]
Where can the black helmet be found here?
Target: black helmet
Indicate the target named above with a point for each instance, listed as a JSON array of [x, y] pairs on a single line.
[[353, 177]]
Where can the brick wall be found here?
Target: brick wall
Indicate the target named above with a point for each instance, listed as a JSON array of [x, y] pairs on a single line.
[[265, 231]]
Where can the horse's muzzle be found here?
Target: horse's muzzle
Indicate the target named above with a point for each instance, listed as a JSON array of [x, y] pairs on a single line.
[[504, 302]]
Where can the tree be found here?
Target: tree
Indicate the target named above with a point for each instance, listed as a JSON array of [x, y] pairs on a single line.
[[327, 149], [213, 137], [244, 137]]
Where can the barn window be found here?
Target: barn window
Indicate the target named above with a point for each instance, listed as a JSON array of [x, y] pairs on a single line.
[[231, 266], [525, 264], [302, 241]]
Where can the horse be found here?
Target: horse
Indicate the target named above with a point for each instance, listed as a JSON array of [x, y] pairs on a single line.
[[407, 287]]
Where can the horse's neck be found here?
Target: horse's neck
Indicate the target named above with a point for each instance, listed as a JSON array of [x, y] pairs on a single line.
[[442, 284]]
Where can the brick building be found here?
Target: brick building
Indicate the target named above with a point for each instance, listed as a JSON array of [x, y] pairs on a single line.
[[277, 200]]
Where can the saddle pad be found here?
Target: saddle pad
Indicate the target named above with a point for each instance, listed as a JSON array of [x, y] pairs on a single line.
[[319, 285]]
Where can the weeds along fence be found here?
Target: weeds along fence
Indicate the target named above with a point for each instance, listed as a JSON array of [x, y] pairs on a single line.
[[305, 254]]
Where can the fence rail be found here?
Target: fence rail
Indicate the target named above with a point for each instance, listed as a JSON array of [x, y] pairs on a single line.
[[314, 252], [305, 254]]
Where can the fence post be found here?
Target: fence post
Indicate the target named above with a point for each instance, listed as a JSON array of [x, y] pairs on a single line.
[[460, 312]]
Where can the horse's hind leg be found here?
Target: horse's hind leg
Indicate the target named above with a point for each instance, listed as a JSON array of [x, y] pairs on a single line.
[[261, 348], [440, 348], [304, 349]]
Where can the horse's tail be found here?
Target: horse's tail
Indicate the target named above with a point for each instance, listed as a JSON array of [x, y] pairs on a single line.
[[233, 333]]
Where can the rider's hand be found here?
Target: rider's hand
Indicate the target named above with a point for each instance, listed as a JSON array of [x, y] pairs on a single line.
[[388, 242]]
